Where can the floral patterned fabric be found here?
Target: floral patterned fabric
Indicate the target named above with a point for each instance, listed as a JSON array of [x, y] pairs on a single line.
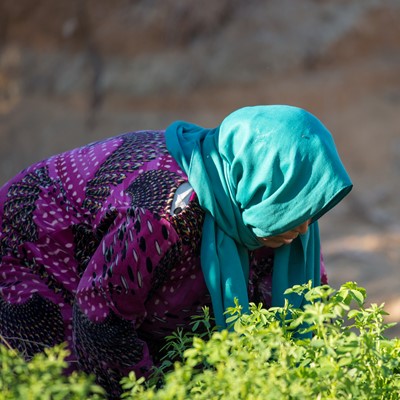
[[90, 255]]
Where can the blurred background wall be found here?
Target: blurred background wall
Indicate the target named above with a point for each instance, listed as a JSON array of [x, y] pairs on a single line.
[[76, 71]]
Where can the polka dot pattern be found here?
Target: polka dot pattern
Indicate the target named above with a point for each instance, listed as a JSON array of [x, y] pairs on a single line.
[[90, 254], [154, 190], [135, 150], [38, 321], [17, 223], [114, 340]]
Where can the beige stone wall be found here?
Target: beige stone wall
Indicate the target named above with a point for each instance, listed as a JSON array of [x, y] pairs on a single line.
[[76, 71]]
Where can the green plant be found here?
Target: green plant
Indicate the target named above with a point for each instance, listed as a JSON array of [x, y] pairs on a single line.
[[334, 348], [42, 377], [270, 354]]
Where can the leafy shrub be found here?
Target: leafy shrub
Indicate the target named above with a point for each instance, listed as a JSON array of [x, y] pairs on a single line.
[[270, 354], [333, 349], [42, 379]]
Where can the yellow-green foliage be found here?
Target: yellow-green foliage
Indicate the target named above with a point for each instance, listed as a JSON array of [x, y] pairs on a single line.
[[271, 354], [42, 379], [333, 349]]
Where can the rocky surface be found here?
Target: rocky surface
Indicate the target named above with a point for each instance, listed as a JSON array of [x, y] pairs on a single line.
[[76, 71]]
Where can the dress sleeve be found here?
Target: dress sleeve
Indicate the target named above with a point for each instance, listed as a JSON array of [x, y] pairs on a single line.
[[324, 275], [111, 297], [260, 280]]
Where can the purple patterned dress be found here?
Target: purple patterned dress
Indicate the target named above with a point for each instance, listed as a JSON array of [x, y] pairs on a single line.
[[90, 254]]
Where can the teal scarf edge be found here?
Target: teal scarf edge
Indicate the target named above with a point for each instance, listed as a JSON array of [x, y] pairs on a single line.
[[225, 261]]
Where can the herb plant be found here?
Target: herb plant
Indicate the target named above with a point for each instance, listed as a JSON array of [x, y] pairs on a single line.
[[42, 377], [333, 348], [326, 351]]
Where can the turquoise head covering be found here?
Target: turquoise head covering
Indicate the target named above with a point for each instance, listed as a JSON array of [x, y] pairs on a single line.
[[264, 171]]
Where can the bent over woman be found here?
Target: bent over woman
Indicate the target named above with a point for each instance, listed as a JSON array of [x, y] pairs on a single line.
[[113, 245]]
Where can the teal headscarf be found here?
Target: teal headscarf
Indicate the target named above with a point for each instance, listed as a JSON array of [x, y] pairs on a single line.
[[264, 171]]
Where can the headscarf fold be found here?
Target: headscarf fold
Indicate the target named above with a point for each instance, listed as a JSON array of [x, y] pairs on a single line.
[[264, 171]]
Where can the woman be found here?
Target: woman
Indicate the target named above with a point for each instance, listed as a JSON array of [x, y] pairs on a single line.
[[112, 246]]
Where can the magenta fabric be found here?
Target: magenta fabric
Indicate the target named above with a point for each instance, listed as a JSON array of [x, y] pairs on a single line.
[[90, 255]]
